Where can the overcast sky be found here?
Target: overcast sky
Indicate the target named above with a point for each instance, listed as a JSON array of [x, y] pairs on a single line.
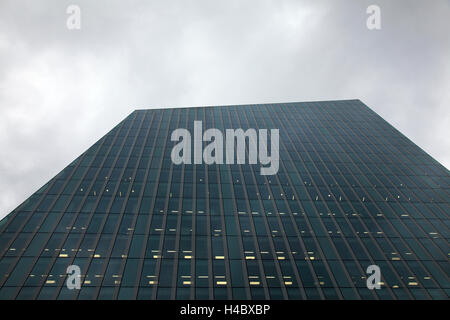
[[61, 90]]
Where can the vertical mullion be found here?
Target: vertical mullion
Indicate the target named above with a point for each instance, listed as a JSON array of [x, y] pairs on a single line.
[[161, 258], [152, 205], [227, 169]]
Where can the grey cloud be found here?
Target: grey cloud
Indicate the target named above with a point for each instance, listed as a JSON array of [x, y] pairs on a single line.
[[61, 90]]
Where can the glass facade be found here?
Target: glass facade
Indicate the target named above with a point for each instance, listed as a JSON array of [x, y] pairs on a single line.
[[351, 191]]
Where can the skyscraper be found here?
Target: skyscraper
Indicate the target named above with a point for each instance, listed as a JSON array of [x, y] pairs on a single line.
[[350, 192]]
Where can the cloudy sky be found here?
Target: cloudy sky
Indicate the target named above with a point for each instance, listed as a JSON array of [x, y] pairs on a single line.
[[62, 89]]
